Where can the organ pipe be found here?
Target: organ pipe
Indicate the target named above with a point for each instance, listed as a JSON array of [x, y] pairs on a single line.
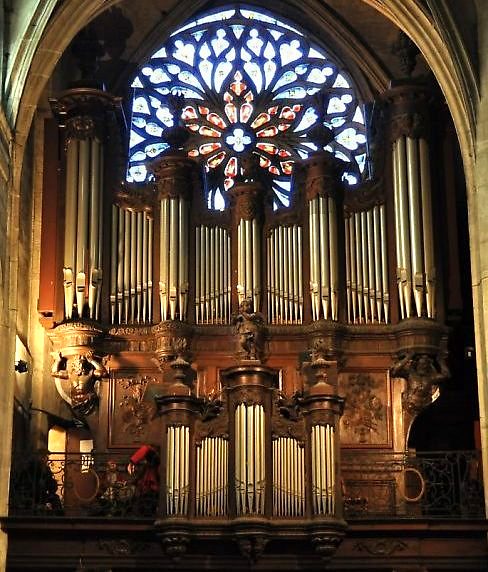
[[250, 465], [323, 469], [284, 273], [70, 227], [173, 258], [288, 478], [427, 228], [366, 266], [130, 266], [177, 470], [212, 290], [413, 226]]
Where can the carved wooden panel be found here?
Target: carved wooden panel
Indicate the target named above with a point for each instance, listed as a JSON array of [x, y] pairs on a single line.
[[366, 421], [132, 417]]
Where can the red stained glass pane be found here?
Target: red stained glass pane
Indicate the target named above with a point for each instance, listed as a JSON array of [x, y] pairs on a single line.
[[228, 183], [231, 167], [208, 131], [193, 127], [215, 161], [228, 97], [267, 148], [261, 119], [264, 162], [284, 153], [209, 147], [216, 120], [287, 113], [268, 132], [203, 110], [245, 112], [283, 126], [273, 110], [287, 167], [274, 170], [189, 113], [238, 86], [231, 112], [249, 96], [193, 153]]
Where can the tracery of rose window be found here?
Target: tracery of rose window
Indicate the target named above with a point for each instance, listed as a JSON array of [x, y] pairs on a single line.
[[251, 84]]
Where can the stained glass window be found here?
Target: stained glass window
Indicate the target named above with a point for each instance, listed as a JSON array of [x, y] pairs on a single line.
[[252, 85]]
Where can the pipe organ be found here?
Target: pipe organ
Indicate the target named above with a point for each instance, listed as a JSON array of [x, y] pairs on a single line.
[[241, 452]]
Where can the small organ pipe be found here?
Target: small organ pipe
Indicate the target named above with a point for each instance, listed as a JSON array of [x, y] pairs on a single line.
[[348, 269], [133, 264], [334, 271], [70, 227], [354, 287], [384, 263], [145, 257], [398, 242], [163, 259], [256, 265], [429, 261], [372, 263], [324, 259], [150, 235], [377, 262], [359, 265], [414, 220], [364, 264], [139, 255], [113, 264], [94, 215], [404, 228]]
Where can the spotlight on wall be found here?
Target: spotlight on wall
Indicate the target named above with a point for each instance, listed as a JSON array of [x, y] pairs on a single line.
[[21, 366]]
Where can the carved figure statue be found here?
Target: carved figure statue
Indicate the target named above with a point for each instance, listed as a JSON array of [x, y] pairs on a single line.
[[82, 371], [249, 327], [423, 375]]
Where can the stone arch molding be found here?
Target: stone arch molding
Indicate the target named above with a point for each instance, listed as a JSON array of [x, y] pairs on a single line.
[[409, 15]]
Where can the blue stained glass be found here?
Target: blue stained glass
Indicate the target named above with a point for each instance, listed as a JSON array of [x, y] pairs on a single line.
[[250, 86]]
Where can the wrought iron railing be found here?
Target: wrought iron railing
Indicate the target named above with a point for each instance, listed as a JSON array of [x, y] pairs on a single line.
[[89, 485], [444, 485]]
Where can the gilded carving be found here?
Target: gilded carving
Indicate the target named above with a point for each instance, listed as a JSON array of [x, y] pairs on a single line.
[[382, 547], [249, 329], [365, 420], [424, 374], [77, 379], [136, 412]]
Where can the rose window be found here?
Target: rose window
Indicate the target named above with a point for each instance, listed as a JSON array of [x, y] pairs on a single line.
[[252, 85]]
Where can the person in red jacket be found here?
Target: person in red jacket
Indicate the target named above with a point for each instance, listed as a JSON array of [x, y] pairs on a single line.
[[144, 468]]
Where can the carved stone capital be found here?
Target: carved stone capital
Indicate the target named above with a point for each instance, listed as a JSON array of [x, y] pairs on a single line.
[[409, 110], [83, 111]]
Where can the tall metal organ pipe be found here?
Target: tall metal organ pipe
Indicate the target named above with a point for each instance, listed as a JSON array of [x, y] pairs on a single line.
[[173, 258], [413, 202]]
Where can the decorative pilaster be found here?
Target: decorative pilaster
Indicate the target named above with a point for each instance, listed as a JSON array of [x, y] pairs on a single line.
[[83, 112], [416, 274]]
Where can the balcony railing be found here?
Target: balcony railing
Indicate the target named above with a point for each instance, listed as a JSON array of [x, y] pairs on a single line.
[[442, 485]]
